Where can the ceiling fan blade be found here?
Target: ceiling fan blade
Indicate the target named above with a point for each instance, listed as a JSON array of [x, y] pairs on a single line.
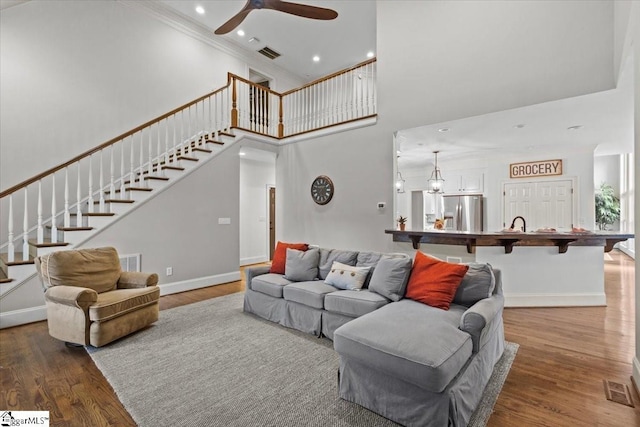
[[303, 10], [236, 19]]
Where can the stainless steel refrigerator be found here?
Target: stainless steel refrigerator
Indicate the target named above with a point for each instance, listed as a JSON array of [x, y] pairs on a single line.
[[463, 212]]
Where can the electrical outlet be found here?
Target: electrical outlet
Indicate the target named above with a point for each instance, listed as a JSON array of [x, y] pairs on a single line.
[[169, 271]]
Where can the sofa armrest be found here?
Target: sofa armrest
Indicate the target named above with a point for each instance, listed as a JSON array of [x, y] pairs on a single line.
[[134, 279], [480, 318], [73, 296], [251, 272]]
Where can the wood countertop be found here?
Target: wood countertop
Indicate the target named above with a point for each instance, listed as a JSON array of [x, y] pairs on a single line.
[[509, 239]]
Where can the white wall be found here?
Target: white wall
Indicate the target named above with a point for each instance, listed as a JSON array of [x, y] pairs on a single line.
[[255, 178], [76, 74], [468, 58]]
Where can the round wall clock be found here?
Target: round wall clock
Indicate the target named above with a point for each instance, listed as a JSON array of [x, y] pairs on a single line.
[[322, 190]]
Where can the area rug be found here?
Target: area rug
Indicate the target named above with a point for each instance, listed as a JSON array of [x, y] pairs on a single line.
[[210, 364]]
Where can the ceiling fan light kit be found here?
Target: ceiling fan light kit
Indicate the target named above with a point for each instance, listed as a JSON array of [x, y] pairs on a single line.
[[303, 10]]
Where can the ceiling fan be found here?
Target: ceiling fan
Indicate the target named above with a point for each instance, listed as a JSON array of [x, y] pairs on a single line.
[[298, 9]]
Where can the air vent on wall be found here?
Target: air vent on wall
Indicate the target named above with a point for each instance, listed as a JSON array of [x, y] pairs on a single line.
[[269, 53], [130, 262]]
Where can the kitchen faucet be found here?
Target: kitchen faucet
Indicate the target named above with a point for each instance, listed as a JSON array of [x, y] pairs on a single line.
[[524, 223]]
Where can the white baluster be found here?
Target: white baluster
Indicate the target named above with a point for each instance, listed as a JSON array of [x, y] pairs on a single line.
[[54, 226], [67, 213], [141, 157], [112, 184], [101, 186], [90, 199], [166, 142], [79, 199], [25, 228], [158, 153], [150, 168], [132, 167], [190, 134], [11, 249], [197, 126], [122, 172], [40, 232], [181, 143]]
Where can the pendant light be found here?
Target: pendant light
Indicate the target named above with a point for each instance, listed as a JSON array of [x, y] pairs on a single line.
[[435, 182], [399, 183]]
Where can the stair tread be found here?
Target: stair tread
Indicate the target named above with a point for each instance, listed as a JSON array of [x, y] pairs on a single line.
[[192, 159], [212, 141], [18, 259], [159, 178], [204, 150], [173, 168], [114, 201], [61, 228], [135, 189], [5, 280], [226, 134], [95, 214], [46, 244]]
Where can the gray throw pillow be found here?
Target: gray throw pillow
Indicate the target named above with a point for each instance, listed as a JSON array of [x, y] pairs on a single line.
[[477, 284], [301, 266], [390, 277], [328, 256]]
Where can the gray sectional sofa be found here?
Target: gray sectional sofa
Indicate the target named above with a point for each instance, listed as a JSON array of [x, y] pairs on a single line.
[[407, 361]]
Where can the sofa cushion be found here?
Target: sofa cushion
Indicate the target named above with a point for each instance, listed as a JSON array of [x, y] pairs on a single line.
[[98, 269], [368, 259], [353, 304], [280, 255], [310, 294], [122, 301], [301, 266], [390, 277], [434, 282], [269, 284], [477, 284], [328, 256], [419, 344], [344, 276]]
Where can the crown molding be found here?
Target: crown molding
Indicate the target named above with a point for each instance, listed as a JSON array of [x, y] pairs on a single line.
[[196, 30]]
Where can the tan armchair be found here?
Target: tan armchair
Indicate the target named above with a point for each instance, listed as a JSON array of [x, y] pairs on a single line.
[[90, 301]]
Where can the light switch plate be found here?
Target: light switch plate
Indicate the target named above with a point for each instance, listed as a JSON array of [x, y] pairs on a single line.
[[224, 221]]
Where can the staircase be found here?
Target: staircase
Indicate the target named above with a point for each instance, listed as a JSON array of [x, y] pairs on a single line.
[[65, 206], [108, 208]]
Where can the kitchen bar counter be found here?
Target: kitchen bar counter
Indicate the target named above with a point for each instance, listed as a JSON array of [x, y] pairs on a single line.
[[563, 240]]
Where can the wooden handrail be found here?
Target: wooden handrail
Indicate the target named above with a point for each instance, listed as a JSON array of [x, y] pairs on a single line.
[[230, 78], [330, 76], [107, 144]]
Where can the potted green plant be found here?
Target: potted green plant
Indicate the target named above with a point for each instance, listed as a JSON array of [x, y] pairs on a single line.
[[607, 206], [402, 222]]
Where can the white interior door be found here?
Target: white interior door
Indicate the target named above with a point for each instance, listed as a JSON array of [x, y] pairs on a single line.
[[542, 204]]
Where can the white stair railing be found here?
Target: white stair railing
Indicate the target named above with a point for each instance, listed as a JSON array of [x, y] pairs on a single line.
[[121, 162]]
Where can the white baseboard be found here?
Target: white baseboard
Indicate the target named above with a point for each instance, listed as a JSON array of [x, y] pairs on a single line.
[[253, 260], [555, 300], [20, 317], [200, 282], [627, 250]]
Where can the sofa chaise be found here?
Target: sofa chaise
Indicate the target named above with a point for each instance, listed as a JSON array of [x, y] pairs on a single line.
[[416, 364]]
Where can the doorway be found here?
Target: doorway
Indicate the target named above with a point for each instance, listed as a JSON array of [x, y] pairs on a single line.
[[548, 204], [272, 221]]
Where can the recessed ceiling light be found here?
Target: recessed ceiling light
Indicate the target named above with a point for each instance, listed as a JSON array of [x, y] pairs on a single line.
[[519, 126], [370, 55], [316, 58], [200, 10], [576, 127], [443, 130], [242, 153], [240, 33], [254, 40]]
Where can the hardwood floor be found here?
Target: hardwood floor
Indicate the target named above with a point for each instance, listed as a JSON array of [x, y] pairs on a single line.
[[556, 379]]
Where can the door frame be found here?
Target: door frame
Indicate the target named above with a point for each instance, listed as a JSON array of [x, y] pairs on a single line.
[[575, 211], [270, 248]]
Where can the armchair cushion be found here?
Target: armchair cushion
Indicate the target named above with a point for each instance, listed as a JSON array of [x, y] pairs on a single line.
[[121, 301], [98, 269], [133, 279]]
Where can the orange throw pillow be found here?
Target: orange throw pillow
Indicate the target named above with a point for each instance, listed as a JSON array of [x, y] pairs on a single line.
[[434, 282], [280, 255]]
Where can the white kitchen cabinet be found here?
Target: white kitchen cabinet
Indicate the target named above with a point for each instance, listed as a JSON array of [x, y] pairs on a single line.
[[463, 182]]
